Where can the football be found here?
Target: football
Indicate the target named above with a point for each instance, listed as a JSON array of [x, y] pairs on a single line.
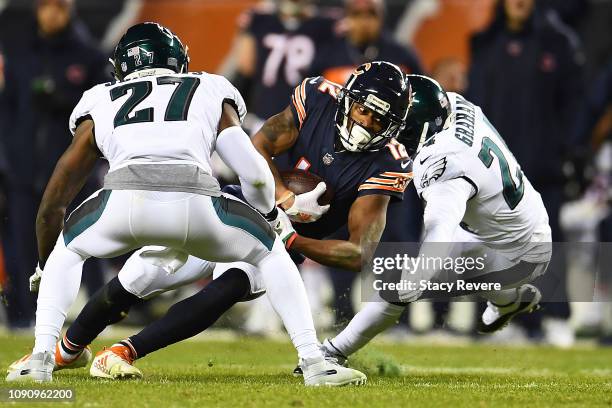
[[300, 181]]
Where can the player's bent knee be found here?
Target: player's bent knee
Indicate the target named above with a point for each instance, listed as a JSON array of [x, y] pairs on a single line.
[[137, 274], [153, 270]]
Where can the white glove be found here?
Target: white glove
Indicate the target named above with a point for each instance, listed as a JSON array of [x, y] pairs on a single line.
[[281, 224], [305, 208], [35, 279]]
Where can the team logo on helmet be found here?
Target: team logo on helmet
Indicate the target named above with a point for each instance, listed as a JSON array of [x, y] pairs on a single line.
[[362, 68]]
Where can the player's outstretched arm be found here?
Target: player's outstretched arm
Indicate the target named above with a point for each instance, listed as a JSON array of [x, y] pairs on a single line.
[[446, 202], [277, 135], [70, 174], [237, 151], [366, 224], [445, 206]]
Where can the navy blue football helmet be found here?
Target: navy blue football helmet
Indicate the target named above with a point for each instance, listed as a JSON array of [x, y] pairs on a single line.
[[382, 88]]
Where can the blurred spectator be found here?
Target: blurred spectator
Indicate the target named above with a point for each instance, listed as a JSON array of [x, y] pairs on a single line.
[[595, 30], [593, 128], [594, 118], [365, 40], [570, 11], [451, 74], [47, 68], [1, 71], [526, 74], [274, 50]]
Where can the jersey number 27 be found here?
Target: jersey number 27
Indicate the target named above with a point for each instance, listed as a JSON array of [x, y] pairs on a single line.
[[178, 105]]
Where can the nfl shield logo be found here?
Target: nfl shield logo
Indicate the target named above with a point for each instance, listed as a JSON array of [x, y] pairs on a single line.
[[328, 159]]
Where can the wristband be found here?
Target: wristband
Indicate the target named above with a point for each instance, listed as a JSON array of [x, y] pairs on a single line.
[[290, 241]]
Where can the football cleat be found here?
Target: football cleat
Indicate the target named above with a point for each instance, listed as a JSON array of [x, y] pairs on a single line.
[[80, 360], [37, 367], [495, 316], [331, 354], [319, 372], [114, 363]]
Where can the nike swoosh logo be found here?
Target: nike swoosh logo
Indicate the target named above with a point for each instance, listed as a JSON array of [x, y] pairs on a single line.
[[424, 160], [405, 164]]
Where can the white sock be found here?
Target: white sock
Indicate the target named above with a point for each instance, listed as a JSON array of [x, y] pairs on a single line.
[[66, 351], [501, 297], [287, 295], [373, 319], [59, 287]]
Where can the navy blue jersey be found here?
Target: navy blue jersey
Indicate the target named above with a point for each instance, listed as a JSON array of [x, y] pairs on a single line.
[[338, 59], [284, 56], [349, 174]]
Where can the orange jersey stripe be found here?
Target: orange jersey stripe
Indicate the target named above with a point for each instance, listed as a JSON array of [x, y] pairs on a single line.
[[394, 174], [380, 187], [380, 180], [299, 111], [299, 103]]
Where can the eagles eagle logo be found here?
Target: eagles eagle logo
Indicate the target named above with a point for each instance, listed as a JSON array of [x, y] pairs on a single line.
[[433, 172]]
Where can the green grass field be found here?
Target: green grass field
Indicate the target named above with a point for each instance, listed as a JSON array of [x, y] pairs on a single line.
[[256, 373]]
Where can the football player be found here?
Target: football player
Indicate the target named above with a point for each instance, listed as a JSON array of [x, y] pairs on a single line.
[[343, 134], [157, 126], [474, 193], [274, 51], [368, 39]]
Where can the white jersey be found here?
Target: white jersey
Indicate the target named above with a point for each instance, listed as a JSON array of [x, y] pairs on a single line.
[[160, 119], [505, 208]]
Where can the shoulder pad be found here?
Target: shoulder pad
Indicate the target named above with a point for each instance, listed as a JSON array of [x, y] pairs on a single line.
[[227, 92], [86, 104], [309, 94], [437, 162]]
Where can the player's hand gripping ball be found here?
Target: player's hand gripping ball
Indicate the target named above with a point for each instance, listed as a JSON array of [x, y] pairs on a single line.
[[311, 197]]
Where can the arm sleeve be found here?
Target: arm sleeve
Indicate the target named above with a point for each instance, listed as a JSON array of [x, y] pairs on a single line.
[[237, 151], [446, 204]]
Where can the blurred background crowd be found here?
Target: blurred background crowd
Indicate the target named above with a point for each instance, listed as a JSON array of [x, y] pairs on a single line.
[[540, 69]]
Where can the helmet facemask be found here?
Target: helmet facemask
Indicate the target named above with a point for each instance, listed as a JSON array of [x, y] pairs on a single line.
[[355, 137]]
